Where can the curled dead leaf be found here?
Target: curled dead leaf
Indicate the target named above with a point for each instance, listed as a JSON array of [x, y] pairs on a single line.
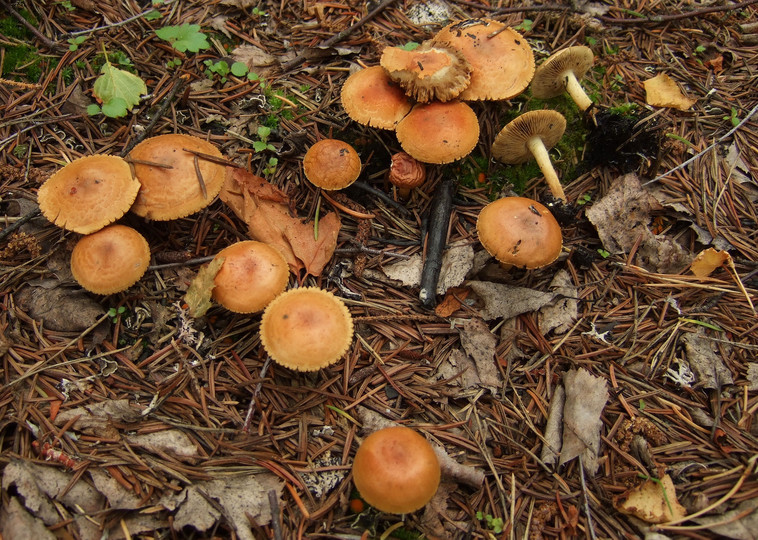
[[709, 260], [662, 91], [653, 501]]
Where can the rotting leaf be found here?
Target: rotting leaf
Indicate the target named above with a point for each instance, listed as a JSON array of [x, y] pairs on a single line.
[[198, 296], [479, 343], [98, 419], [706, 363], [707, 261], [452, 301], [457, 260], [551, 448], [118, 496], [171, 441], [653, 501], [662, 91], [266, 210], [561, 314], [60, 309], [739, 523], [586, 396], [505, 301], [459, 370], [17, 523]]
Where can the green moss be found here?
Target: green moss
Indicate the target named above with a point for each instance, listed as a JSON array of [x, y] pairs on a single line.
[[23, 62], [11, 28]]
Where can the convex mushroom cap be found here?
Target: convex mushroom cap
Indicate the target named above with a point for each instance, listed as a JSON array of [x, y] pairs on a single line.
[[439, 132], [501, 60], [88, 193], [371, 98], [331, 164], [306, 329], [519, 231], [561, 73], [251, 276], [180, 183], [110, 260], [428, 72], [528, 136], [396, 470]]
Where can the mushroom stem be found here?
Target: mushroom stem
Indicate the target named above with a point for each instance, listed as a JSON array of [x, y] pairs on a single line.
[[576, 91], [538, 150]]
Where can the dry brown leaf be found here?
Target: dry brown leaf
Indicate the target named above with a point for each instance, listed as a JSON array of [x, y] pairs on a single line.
[[198, 296], [266, 210], [452, 301], [739, 524], [586, 396], [17, 523], [98, 419], [117, 495], [707, 261], [553, 429], [561, 314], [662, 91], [61, 309], [505, 301], [653, 501], [459, 370], [479, 343], [170, 441], [705, 361]]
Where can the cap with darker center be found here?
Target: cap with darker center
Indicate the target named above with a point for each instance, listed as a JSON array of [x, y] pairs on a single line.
[[371, 98], [439, 132], [331, 164]]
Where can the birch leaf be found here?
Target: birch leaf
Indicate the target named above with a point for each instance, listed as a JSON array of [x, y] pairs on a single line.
[[198, 296], [118, 90]]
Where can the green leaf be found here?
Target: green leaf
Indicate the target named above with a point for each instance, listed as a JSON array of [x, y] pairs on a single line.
[[264, 132], [259, 146], [115, 108], [93, 109], [186, 37], [153, 15], [238, 69], [114, 83]]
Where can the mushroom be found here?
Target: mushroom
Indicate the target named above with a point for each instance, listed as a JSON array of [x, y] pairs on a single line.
[[406, 173], [306, 329], [501, 60], [520, 232], [331, 164], [176, 181], [396, 470], [429, 72], [110, 260], [371, 98], [88, 193], [251, 276], [529, 136], [439, 132], [561, 73]]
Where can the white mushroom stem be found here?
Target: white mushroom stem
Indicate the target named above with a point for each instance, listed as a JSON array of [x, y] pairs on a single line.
[[538, 150], [576, 91]]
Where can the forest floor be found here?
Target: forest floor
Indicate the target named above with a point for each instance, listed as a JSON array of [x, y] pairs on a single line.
[[611, 394]]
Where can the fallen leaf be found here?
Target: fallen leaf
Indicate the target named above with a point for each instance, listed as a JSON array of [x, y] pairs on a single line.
[[18, 524], [705, 362], [561, 314], [98, 419], [252, 56], [716, 63], [407, 272], [457, 261], [752, 376], [59, 308], [551, 446], [237, 496], [739, 524], [171, 441], [653, 501], [586, 396], [707, 261], [503, 301], [662, 91], [265, 210], [117, 495], [452, 301], [198, 296], [459, 370], [479, 343]]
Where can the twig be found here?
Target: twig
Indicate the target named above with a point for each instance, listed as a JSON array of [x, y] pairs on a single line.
[[273, 501], [381, 195], [718, 141], [49, 43], [439, 219], [676, 16], [210, 157], [188, 262], [115, 24], [256, 391], [590, 526], [18, 223], [300, 58], [199, 174]]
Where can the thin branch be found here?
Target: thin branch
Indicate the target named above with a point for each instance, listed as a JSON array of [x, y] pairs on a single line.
[[677, 16], [49, 43]]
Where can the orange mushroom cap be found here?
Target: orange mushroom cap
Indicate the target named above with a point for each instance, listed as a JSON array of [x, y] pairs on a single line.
[[501, 60], [172, 193], [331, 164], [306, 329], [251, 276], [439, 132], [110, 260], [396, 470], [371, 98], [519, 232], [88, 193]]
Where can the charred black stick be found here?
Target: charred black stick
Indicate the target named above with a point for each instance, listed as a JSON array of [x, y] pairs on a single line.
[[439, 219]]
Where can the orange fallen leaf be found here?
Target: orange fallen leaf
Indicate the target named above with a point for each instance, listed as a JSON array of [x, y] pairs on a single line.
[[266, 210], [662, 91], [653, 501], [452, 301], [709, 260]]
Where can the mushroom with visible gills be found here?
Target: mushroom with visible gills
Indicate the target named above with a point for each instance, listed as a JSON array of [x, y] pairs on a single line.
[[530, 135], [561, 73], [370, 97]]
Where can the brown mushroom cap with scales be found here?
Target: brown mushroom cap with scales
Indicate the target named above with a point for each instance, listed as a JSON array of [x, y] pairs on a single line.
[[529, 136], [175, 182], [520, 232], [331, 164], [561, 73], [501, 60], [110, 260], [439, 132], [306, 329], [88, 193], [251, 276], [428, 72], [371, 98], [396, 470]]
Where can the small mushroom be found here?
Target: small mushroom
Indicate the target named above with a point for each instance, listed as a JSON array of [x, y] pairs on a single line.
[[306, 329], [429, 72], [331, 164], [371, 98], [561, 73], [519, 232], [439, 132], [406, 173], [110, 260], [501, 60], [529, 136], [251, 276], [176, 181], [88, 193], [396, 470]]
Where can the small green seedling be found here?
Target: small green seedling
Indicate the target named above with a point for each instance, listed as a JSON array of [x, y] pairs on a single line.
[[410, 46], [584, 199], [115, 313], [240, 69], [174, 63], [270, 168], [220, 68], [603, 253], [262, 144], [73, 43], [733, 118], [525, 26], [259, 12], [67, 5], [495, 524], [185, 37]]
